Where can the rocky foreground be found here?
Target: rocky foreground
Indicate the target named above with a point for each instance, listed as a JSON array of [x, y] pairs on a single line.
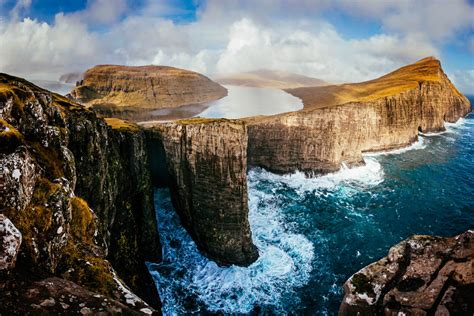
[[133, 92], [77, 220], [423, 275]]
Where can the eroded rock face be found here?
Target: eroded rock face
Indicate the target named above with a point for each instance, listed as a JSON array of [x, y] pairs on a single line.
[[47, 142], [10, 241], [319, 139], [128, 92], [206, 160], [422, 275], [56, 296]]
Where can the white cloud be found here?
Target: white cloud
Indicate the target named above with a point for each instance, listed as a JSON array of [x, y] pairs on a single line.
[[324, 54], [32, 47], [103, 11], [464, 81], [20, 7], [230, 36]]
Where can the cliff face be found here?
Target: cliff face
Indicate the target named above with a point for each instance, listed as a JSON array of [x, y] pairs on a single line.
[[318, 139], [207, 167], [125, 91], [58, 160], [422, 275]]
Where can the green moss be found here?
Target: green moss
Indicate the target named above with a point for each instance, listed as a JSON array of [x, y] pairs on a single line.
[[10, 137], [49, 158], [87, 270], [82, 223], [122, 125], [36, 219]]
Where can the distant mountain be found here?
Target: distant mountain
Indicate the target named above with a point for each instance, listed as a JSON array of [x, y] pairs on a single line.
[[271, 79]]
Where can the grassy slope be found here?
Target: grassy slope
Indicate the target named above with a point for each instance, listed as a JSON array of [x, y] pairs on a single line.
[[402, 79]]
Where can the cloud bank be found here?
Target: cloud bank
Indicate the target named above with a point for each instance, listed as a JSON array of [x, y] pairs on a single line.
[[228, 36]]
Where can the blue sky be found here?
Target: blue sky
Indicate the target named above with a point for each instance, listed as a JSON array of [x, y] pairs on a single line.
[[335, 40]]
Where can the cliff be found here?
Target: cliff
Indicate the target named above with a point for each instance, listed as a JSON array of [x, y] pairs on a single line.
[[265, 78], [79, 199], [207, 165], [422, 275], [339, 123], [134, 92]]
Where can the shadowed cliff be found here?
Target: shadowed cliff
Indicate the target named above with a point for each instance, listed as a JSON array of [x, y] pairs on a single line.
[[77, 197]]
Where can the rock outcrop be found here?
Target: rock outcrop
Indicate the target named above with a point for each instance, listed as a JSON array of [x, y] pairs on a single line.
[[207, 168], [79, 192], [422, 275], [134, 92], [382, 114], [10, 241]]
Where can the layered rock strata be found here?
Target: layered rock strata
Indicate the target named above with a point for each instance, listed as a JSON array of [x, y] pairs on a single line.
[[388, 115], [80, 194], [134, 92], [422, 275], [207, 167]]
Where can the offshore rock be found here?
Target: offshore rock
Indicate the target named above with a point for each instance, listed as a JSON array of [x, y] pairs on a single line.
[[207, 164], [46, 142], [422, 275], [339, 123], [10, 241], [134, 92]]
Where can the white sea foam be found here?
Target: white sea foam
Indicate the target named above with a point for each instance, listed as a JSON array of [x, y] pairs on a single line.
[[419, 144], [284, 263], [367, 175], [462, 123]]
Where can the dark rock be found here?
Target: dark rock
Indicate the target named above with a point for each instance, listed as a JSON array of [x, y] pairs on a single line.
[[422, 275], [207, 164], [10, 241], [49, 142], [56, 296]]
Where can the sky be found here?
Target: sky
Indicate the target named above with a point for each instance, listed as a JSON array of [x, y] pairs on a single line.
[[333, 40]]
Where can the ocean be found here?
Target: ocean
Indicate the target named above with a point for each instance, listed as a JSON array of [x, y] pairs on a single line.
[[313, 234]]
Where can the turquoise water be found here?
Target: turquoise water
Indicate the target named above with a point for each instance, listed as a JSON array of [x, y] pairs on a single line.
[[315, 233]]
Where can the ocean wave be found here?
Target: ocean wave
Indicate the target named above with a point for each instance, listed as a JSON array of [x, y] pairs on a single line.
[[460, 124], [185, 275], [419, 144], [367, 175]]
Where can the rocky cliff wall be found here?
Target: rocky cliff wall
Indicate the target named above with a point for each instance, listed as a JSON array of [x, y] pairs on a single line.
[[319, 140], [422, 275], [57, 160], [207, 166]]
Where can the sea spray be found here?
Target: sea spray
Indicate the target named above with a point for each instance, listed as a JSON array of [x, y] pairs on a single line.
[[186, 276]]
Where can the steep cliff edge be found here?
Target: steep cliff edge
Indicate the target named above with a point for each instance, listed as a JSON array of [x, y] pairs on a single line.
[[63, 187], [207, 168], [339, 123], [134, 92], [422, 275]]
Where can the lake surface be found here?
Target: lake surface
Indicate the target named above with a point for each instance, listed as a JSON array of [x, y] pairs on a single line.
[[239, 103], [250, 101], [315, 233]]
